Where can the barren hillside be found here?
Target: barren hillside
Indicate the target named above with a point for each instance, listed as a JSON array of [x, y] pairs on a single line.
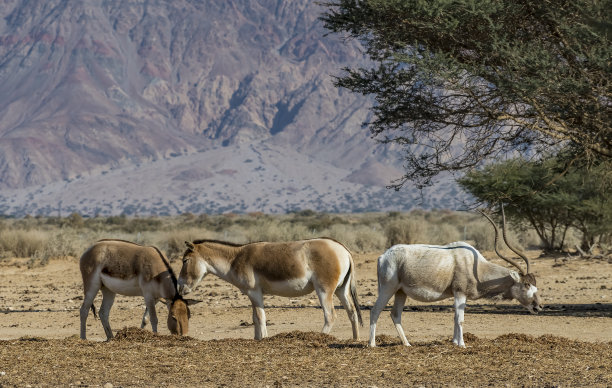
[[98, 86]]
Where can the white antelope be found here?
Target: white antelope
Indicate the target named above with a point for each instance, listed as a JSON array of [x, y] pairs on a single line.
[[285, 268], [430, 273], [122, 267]]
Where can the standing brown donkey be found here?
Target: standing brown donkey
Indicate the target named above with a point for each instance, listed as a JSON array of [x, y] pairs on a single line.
[[122, 267], [290, 269]]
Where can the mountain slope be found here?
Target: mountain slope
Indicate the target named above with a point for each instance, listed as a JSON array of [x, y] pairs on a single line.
[[88, 87]]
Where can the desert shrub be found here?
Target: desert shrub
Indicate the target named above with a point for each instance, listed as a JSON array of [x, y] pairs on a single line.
[[117, 220], [442, 233], [406, 231], [358, 238], [42, 238], [135, 225], [63, 243], [481, 235], [22, 243], [75, 220], [173, 242], [316, 222], [272, 230]]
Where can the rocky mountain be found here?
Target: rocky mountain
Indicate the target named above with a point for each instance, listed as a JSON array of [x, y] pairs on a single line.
[[110, 106]]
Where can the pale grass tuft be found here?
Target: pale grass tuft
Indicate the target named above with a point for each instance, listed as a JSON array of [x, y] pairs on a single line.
[[22, 243]]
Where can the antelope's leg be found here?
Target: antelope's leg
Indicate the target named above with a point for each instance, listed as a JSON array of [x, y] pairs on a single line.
[[396, 315], [90, 294], [344, 294], [459, 305], [385, 293], [259, 315], [108, 298]]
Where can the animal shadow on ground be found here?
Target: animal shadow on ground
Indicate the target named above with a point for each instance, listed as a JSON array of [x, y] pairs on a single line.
[[566, 309]]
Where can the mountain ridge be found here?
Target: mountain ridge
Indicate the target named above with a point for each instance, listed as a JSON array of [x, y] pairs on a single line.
[[95, 86]]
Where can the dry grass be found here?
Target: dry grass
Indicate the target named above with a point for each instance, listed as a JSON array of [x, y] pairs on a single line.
[[44, 238], [138, 358]]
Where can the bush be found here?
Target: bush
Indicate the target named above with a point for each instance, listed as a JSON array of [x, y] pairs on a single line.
[[273, 230], [442, 234], [358, 238], [22, 243], [173, 242], [64, 243], [406, 231], [44, 238]]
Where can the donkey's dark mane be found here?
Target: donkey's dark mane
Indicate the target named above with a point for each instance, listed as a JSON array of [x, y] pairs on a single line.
[[120, 240], [231, 244], [170, 270]]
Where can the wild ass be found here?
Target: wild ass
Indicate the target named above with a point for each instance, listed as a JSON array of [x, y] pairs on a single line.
[[285, 268], [122, 267], [430, 273]]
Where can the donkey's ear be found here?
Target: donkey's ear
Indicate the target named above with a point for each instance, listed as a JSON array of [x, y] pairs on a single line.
[[190, 246]]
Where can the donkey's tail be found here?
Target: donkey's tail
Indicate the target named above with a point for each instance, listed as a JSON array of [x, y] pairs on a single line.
[[93, 308], [353, 288]]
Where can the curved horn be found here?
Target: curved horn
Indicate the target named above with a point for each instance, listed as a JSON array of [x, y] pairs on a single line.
[[514, 263], [508, 244]]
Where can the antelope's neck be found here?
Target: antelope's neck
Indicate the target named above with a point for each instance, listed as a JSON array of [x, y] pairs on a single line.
[[494, 280]]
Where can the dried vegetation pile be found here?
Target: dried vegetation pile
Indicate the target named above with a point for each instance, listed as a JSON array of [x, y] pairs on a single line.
[[139, 358]]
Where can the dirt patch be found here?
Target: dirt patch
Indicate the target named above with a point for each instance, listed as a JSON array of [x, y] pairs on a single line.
[[568, 344]]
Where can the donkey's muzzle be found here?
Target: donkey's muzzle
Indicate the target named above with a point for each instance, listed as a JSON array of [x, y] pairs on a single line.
[[183, 289]]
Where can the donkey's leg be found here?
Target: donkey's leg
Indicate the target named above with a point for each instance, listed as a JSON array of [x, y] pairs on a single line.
[[108, 298], [385, 292], [150, 308], [326, 299], [396, 315], [90, 295], [459, 305], [144, 318], [259, 315], [344, 294]]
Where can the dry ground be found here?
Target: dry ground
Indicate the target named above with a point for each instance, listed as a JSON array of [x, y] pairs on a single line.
[[569, 343]]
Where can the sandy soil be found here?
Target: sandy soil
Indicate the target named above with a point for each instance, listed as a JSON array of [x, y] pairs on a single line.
[[39, 319]]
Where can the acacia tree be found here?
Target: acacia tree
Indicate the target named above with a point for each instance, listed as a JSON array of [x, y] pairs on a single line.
[[551, 195], [458, 81]]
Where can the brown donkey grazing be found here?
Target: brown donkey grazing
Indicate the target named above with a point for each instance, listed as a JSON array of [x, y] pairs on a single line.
[[122, 267], [286, 269]]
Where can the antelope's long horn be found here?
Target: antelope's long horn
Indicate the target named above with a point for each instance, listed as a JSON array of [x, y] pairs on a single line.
[[508, 244], [509, 260]]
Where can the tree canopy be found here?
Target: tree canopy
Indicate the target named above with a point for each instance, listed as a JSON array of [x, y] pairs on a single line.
[[551, 194], [459, 81]]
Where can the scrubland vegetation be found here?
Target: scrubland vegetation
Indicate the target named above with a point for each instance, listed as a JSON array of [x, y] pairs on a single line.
[[42, 238]]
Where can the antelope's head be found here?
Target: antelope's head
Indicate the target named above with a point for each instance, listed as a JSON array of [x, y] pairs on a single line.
[[193, 270], [524, 288], [525, 291]]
